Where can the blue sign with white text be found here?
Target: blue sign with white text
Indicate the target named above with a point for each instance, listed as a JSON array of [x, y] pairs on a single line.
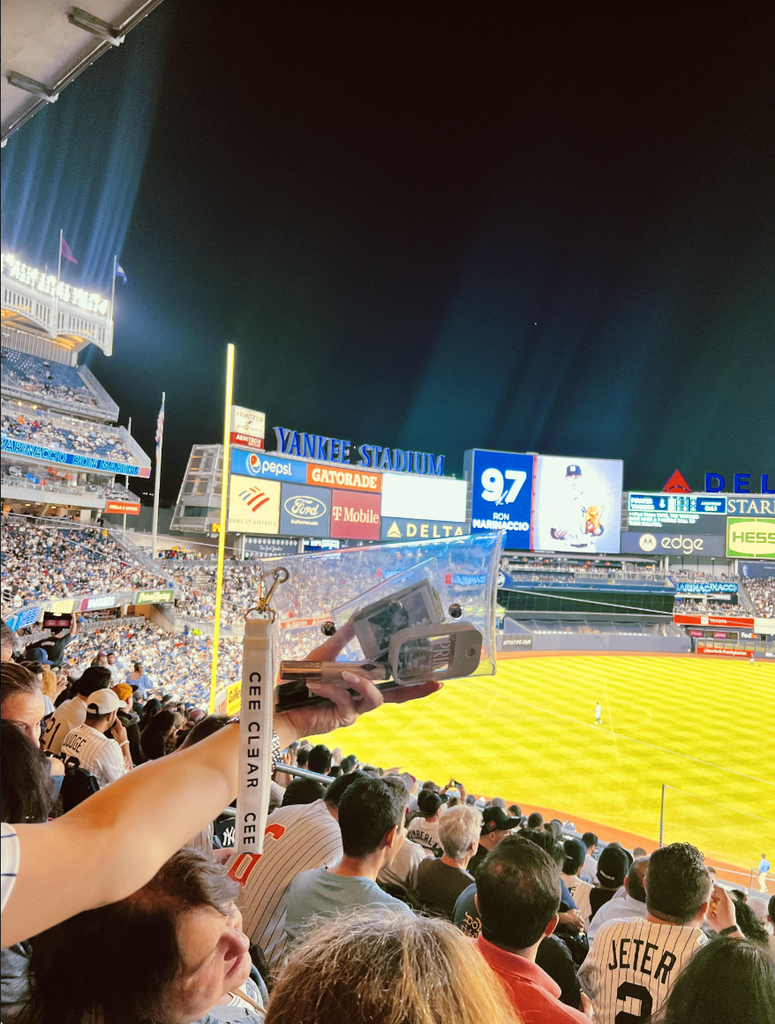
[[501, 494], [270, 467]]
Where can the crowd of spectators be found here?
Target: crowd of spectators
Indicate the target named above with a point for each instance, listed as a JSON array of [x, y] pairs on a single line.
[[377, 897], [51, 561], [762, 594], [24, 423], [40, 378], [691, 606]]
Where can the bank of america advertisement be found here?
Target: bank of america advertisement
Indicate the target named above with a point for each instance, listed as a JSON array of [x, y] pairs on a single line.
[[578, 504]]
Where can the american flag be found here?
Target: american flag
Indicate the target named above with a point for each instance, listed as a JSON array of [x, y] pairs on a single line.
[[160, 427]]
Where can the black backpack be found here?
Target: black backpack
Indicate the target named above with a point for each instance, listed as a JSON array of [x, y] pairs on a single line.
[[77, 785]]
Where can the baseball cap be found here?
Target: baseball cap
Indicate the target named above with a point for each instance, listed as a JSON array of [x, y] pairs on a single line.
[[122, 690], [612, 866], [573, 470], [40, 656], [407, 779], [102, 702], [495, 819], [429, 802]]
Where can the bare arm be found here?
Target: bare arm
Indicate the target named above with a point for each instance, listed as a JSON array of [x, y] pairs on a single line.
[[113, 843]]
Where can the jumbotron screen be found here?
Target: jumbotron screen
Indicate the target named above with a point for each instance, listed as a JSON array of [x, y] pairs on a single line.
[[578, 504]]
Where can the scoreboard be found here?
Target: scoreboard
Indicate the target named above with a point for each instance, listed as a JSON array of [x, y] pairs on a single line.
[[663, 511]]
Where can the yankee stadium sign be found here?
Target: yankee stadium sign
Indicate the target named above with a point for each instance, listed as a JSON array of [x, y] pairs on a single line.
[[370, 456]]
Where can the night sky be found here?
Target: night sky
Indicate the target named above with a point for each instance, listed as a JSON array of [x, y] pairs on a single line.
[[428, 226]]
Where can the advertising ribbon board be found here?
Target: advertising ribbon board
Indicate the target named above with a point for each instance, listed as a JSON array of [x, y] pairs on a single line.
[[153, 596], [257, 712], [35, 451], [125, 508], [714, 620]]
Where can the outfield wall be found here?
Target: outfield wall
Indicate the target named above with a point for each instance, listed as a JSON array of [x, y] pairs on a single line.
[[516, 636]]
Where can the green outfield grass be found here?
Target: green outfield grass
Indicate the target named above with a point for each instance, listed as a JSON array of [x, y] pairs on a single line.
[[703, 727]]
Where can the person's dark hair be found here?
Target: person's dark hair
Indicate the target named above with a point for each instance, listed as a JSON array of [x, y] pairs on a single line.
[[95, 677], [349, 763], [302, 757], [430, 784], [205, 728], [497, 801], [64, 991], [138, 666], [547, 842], [335, 771], [319, 759], [26, 794], [518, 891], [771, 909], [555, 827], [16, 679], [575, 852], [635, 877], [303, 791], [677, 883], [727, 981], [151, 708], [749, 925], [36, 667], [367, 811], [153, 736], [590, 840], [515, 811], [334, 792], [7, 641], [535, 820]]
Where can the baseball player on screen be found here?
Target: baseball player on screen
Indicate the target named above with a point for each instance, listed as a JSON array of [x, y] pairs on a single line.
[[577, 522]]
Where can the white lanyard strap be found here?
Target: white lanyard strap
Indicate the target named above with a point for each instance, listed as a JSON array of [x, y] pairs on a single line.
[[256, 715]]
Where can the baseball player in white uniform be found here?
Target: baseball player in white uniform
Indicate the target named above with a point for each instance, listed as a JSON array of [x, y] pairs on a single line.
[[576, 521], [88, 747], [632, 963]]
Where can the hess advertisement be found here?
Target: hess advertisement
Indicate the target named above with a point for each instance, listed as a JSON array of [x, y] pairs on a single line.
[[750, 538], [578, 504]]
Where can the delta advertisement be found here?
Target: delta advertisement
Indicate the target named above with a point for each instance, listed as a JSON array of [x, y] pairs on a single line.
[[269, 494]]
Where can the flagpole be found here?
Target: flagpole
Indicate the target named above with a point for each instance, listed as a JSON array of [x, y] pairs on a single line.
[[113, 298], [159, 445], [222, 533], [126, 475], [55, 325]]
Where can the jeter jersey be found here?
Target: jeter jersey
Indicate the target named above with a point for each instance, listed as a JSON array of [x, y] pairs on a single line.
[[296, 839], [95, 752], [632, 965]]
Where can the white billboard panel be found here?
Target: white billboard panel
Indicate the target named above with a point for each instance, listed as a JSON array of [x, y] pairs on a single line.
[[406, 496], [578, 504]]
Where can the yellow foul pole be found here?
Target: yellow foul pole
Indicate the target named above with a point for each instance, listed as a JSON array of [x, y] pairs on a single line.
[[222, 533]]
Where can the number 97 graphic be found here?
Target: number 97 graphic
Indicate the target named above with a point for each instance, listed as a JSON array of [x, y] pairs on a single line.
[[494, 485]]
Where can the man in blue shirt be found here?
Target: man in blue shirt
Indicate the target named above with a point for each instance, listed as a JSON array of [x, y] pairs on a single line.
[[371, 818]]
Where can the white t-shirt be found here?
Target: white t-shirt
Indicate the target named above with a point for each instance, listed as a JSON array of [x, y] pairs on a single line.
[[402, 870], [632, 964], [9, 861], [426, 834], [67, 716], [616, 909], [95, 752]]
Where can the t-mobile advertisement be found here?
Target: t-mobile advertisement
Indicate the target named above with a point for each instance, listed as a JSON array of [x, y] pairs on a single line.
[[355, 515], [578, 504]]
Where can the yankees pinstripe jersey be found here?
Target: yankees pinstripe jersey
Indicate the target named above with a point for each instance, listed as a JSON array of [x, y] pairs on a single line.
[[10, 861], [96, 753], [632, 965], [67, 716], [296, 839]]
